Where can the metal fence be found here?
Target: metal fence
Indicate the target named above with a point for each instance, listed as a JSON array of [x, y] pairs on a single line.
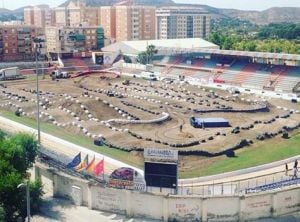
[[277, 180]]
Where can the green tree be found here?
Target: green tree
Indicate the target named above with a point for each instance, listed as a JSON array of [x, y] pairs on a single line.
[[17, 154], [142, 58], [216, 38], [147, 56], [151, 51]]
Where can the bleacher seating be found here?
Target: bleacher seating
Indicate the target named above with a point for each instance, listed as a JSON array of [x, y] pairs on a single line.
[[79, 64], [272, 186], [233, 71], [246, 73], [289, 80]]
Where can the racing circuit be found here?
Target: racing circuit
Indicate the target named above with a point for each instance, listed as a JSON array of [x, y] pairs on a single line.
[[136, 114]]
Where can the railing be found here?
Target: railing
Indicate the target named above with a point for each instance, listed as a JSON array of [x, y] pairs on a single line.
[[55, 160], [255, 184]]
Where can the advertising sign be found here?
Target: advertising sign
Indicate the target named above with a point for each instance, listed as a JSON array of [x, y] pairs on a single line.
[[161, 155], [161, 168], [127, 178]]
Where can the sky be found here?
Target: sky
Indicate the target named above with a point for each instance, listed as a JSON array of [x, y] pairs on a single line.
[[238, 4]]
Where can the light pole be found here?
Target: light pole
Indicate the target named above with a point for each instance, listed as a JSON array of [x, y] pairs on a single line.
[[37, 45], [27, 197]]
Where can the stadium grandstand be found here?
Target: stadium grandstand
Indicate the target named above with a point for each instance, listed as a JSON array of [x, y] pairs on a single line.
[[271, 71], [202, 60], [75, 62]]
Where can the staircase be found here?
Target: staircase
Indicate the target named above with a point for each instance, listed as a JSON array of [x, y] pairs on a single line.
[[168, 68], [288, 82]]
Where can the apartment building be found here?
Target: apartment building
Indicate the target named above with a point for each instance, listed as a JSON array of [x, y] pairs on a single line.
[[17, 42], [92, 16], [179, 22], [135, 23], [77, 14], [68, 16], [68, 39], [28, 16], [108, 22], [61, 16], [39, 16]]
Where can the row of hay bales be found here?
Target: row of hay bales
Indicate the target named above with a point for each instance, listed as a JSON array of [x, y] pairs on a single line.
[[283, 131], [122, 112], [262, 108], [139, 107], [165, 117], [237, 129], [15, 96], [177, 145], [230, 152]]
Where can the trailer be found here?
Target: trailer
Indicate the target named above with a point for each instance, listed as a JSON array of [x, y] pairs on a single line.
[[11, 73], [209, 122]]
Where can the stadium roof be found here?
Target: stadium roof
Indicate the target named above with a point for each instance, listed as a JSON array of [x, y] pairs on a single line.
[[135, 47], [265, 55]]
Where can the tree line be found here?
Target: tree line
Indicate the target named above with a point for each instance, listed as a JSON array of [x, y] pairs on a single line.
[[279, 31], [235, 42]]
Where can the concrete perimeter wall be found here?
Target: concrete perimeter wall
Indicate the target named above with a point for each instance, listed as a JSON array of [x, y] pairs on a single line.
[[171, 207]]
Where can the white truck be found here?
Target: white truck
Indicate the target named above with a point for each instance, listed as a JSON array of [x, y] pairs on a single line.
[[57, 74], [10, 73], [149, 76]]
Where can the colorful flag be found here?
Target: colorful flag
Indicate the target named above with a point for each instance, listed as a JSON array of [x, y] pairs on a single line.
[[99, 168], [90, 167], [83, 164], [75, 162]]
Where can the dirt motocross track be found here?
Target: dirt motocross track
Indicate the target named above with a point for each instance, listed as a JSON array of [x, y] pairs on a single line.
[[147, 114]]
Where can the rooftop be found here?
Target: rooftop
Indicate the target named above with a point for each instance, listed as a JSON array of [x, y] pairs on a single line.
[[135, 47]]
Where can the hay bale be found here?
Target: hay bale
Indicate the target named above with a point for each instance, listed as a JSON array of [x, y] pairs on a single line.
[[285, 135]]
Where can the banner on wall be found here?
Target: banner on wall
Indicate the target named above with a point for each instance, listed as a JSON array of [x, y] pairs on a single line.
[[127, 178]]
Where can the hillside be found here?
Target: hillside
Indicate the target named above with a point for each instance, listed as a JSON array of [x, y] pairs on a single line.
[[272, 15], [136, 2], [5, 11]]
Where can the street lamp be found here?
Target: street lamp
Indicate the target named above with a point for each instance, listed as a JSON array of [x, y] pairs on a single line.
[[27, 197], [37, 45]]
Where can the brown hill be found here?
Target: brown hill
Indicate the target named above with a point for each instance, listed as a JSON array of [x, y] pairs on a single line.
[[272, 15]]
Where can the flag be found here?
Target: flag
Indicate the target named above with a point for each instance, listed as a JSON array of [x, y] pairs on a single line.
[[75, 162], [90, 167], [99, 168], [83, 164]]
